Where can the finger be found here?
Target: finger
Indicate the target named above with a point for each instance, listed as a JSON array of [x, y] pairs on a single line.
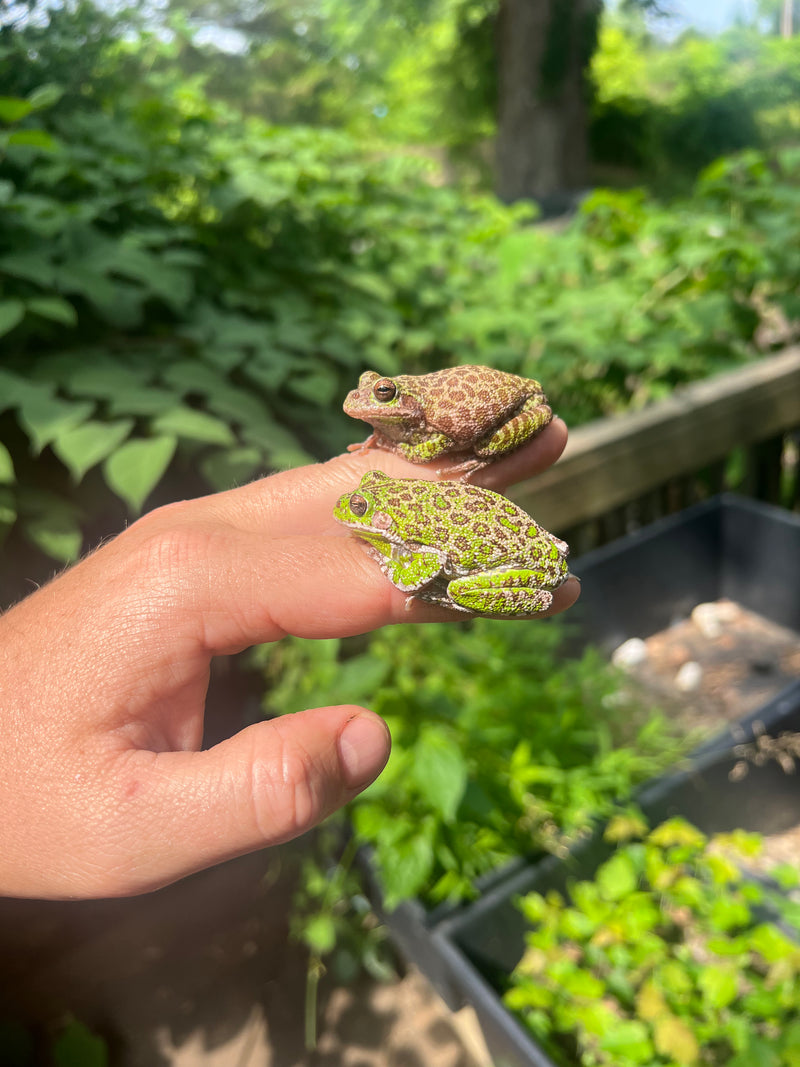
[[267, 784], [301, 501]]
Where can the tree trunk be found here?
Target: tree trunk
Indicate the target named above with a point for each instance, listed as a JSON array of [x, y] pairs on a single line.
[[787, 18], [544, 48]]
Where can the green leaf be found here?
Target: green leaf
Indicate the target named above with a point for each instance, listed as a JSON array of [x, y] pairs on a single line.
[[44, 96], [77, 1046], [12, 312], [58, 535], [80, 448], [13, 108], [674, 1038], [319, 933], [719, 985], [33, 139], [230, 466], [134, 470], [440, 771], [54, 308], [8, 509], [44, 417], [406, 864], [617, 877], [7, 476], [194, 425], [628, 1038]]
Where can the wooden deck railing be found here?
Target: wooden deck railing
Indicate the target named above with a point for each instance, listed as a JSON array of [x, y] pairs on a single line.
[[739, 430]]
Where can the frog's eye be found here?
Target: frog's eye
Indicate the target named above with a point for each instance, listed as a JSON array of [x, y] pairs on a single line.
[[358, 504], [384, 390]]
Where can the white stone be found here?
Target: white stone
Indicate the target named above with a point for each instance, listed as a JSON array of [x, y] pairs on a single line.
[[689, 677], [630, 653]]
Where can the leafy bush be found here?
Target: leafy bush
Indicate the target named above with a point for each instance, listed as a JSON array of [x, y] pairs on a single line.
[[501, 749], [185, 289], [666, 957]]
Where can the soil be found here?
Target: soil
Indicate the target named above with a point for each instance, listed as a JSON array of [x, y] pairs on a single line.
[[204, 973]]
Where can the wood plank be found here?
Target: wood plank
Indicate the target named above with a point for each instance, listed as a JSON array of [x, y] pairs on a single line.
[[612, 461]]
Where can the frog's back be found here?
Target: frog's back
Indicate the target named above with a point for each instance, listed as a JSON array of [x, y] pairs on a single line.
[[464, 402]]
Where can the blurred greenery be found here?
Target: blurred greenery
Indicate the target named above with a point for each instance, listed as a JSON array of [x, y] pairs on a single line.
[[186, 287], [502, 747]]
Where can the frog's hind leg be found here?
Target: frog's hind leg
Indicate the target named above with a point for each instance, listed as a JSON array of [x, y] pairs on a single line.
[[507, 593], [530, 420]]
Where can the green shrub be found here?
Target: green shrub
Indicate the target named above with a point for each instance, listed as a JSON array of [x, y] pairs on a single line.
[[501, 748], [665, 957]]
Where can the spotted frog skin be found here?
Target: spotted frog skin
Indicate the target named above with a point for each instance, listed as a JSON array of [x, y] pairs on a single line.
[[456, 545], [476, 412]]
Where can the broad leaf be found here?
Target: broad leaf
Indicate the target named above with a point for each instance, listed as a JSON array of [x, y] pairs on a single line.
[[136, 468], [12, 108], [440, 771], [7, 476], [54, 308], [194, 425], [80, 448], [44, 417], [12, 312]]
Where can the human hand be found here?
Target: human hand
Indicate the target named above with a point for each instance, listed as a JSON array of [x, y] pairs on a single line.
[[103, 674]]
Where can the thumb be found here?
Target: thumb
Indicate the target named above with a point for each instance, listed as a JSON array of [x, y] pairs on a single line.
[[265, 785]]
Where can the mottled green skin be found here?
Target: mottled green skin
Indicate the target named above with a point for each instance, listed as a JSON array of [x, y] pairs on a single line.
[[457, 545], [476, 412]]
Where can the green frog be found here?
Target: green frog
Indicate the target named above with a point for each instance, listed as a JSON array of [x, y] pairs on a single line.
[[477, 413], [456, 545]]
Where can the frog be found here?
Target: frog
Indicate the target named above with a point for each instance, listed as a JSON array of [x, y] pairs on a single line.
[[476, 413], [456, 544]]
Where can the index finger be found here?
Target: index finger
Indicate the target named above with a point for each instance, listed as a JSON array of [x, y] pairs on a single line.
[[301, 501]]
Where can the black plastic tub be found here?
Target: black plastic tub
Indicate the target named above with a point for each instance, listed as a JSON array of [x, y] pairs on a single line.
[[727, 546], [482, 945]]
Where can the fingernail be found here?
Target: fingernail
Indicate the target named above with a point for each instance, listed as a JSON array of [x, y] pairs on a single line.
[[363, 749]]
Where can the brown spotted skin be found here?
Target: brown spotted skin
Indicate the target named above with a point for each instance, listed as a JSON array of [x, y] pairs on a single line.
[[454, 544], [471, 411]]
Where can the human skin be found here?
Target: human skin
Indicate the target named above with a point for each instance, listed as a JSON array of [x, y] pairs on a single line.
[[104, 788]]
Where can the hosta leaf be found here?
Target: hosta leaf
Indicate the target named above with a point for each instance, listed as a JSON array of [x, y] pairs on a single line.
[[12, 312], [134, 470], [80, 448]]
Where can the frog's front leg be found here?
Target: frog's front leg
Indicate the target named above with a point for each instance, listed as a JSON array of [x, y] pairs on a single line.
[[510, 593], [413, 566], [425, 447], [533, 417]]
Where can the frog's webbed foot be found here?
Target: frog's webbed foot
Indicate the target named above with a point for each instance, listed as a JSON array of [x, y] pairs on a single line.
[[461, 471], [362, 446]]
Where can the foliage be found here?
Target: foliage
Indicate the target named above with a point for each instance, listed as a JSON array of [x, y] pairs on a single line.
[[501, 748], [666, 957], [186, 289], [71, 1044], [175, 277], [667, 110]]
